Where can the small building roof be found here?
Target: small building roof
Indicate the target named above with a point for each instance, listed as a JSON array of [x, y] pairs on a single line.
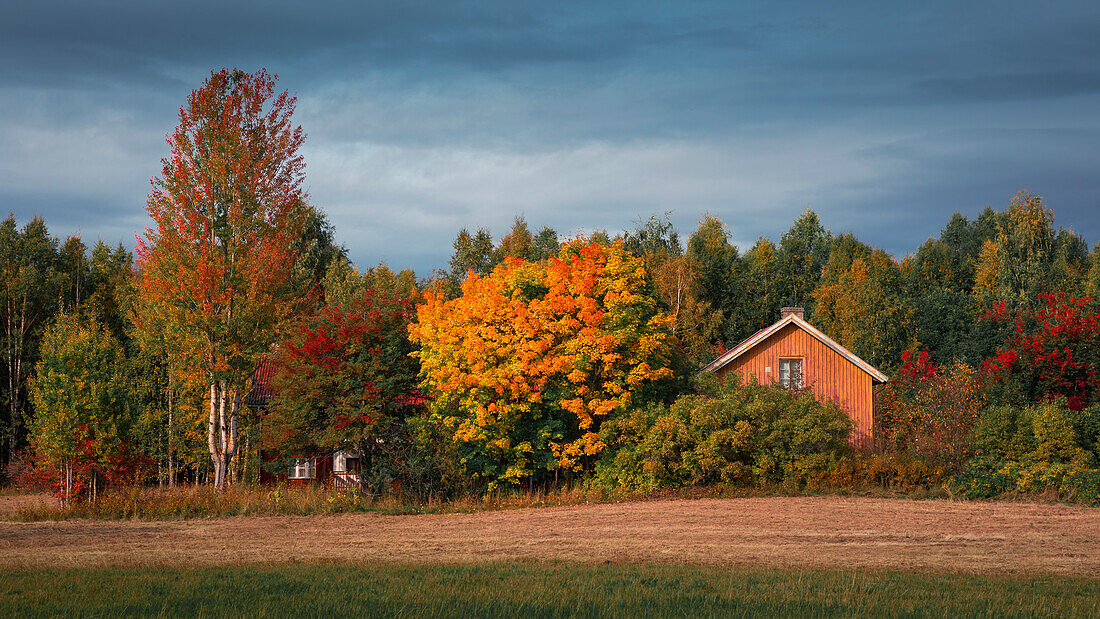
[[763, 334], [261, 391]]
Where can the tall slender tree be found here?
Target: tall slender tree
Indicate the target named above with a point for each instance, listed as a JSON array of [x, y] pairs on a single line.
[[228, 215], [30, 288]]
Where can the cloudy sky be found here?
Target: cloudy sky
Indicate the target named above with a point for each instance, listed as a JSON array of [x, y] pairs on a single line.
[[425, 117]]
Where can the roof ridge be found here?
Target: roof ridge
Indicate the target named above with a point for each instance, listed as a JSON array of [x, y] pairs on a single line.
[[763, 334]]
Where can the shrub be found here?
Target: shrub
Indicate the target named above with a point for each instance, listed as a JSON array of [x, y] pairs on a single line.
[[889, 471], [1048, 447], [1086, 425], [1048, 432], [742, 434], [928, 411], [988, 477], [983, 477]]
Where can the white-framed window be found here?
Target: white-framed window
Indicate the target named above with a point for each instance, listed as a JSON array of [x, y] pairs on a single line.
[[790, 373], [302, 468]]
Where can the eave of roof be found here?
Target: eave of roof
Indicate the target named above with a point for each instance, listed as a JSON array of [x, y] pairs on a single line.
[[763, 334]]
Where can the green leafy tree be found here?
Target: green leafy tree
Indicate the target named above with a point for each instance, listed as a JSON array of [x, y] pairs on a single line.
[[317, 250], [31, 287], [1016, 264], [111, 291], [694, 322], [345, 285], [72, 265], [720, 273], [759, 304], [81, 395], [545, 244], [654, 240], [473, 252], [861, 302], [802, 254], [518, 243], [1093, 286]]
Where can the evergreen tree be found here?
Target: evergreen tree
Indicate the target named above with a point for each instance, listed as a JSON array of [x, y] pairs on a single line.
[[472, 253]]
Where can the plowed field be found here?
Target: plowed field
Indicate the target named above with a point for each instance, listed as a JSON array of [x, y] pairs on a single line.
[[828, 532]]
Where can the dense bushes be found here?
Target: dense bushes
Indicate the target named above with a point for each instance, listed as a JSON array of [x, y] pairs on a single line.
[[989, 476], [928, 411], [737, 434], [971, 437], [1048, 447], [936, 437]]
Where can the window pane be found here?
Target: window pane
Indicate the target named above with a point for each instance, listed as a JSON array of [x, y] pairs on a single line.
[[790, 373]]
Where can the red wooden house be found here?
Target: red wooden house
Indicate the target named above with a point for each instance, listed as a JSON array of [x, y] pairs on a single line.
[[792, 353]]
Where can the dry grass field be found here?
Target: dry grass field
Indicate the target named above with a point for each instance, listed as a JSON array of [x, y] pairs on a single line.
[[10, 503], [815, 532]]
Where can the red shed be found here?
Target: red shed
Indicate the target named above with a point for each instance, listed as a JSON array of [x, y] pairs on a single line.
[[794, 354]]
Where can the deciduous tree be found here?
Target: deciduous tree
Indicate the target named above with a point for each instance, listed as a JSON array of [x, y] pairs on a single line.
[[1053, 351], [861, 303], [221, 257], [30, 289], [81, 396], [525, 365], [929, 410], [802, 254], [344, 379]]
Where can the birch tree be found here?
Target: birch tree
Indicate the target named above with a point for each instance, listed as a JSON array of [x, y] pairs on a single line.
[[29, 289], [228, 215]]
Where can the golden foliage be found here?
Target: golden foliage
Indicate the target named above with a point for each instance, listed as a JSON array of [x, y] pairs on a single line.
[[575, 335]]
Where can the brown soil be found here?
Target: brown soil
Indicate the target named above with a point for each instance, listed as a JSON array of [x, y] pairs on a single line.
[[832, 532]]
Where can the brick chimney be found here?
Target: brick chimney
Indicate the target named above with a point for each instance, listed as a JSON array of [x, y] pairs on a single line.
[[797, 311]]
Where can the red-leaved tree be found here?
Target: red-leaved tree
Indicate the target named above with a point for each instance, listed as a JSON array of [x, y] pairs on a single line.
[[1053, 350], [228, 213], [928, 410], [344, 379]]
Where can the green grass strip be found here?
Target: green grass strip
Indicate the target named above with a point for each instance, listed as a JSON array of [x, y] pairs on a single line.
[[535, 590]]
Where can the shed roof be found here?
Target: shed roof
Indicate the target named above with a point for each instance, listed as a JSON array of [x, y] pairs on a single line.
[[763, 334]]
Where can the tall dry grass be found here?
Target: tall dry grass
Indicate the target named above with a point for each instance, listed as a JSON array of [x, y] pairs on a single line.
[[140, 503], [146, 503]]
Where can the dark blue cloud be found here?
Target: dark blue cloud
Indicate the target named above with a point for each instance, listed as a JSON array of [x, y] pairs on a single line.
[[424, 117]]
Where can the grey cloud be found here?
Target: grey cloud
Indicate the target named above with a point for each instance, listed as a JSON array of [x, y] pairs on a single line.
[[1013, 86], [965, 171], [425, 117]]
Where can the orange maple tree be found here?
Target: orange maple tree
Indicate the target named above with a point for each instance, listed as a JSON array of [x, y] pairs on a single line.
[[526, 363], [228, 211]]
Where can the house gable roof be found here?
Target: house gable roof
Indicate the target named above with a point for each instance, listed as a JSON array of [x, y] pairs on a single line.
[[763, 334]]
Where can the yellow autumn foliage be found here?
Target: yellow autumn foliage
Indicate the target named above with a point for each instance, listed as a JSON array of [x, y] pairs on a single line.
[[528, 360]]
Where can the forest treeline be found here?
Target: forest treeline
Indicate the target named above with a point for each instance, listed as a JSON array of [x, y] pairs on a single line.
[[238, 336]]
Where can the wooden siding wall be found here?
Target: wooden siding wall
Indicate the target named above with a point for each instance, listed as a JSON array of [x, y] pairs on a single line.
[[829, 375]]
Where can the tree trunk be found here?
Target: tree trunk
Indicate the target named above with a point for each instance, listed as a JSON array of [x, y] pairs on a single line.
[[231, 446], [14, 355], [171, 443], [212, 432], [68, 481]]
